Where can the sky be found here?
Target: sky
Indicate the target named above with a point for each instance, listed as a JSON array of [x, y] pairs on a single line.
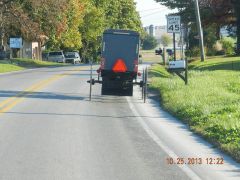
[[152, 12]]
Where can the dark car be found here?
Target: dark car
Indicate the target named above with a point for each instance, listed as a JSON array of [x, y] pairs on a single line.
[[237, 48], [159, 51], [4, 55]]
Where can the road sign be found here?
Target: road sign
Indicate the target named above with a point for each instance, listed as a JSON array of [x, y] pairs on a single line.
[[173, 24], [16, 43]]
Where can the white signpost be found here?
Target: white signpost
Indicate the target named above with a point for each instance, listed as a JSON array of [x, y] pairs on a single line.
[[173, 24], [16, 43]]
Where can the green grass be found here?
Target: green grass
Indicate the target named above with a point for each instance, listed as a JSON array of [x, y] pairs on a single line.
[[20, 64], [149, 56], [210, 104]]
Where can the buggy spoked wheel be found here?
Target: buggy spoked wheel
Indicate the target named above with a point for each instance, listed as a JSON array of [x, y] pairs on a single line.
[[142, 83], [91, 82], [145, 85]]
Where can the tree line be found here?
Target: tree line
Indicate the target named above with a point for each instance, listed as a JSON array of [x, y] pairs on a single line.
[[215, 14], [67, 24]]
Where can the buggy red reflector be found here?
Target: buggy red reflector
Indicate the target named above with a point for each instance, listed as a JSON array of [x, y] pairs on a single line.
[[119, 66]]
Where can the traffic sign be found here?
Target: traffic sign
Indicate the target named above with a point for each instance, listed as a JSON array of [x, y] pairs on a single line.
[[173, 24]]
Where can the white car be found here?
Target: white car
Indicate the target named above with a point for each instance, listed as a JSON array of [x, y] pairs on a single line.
[[72, 57], [56, 56]]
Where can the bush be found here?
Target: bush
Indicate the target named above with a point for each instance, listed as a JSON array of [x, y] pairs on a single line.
[[166, 39], [194, 52], [215, 50], [211, 52], [149, 43], [228, 45], [218, 46]]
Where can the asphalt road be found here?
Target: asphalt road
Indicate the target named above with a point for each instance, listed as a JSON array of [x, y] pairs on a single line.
[[50, 130]]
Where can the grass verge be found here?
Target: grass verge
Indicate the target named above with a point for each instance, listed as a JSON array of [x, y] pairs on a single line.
[[210, 104], [150, 56], [20, 64]]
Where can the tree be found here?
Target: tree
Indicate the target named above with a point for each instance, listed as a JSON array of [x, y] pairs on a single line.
[[236, 5], [15, 21], [166, 40], [228, 45], [91, 30], [214, 13], [149, 42], [71, 38], [69, 24], [105, 14]]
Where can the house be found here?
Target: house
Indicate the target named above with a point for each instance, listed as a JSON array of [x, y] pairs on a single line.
[[28, 50]]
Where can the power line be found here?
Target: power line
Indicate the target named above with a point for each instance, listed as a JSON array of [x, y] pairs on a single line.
[[157, 12], [145, 10]]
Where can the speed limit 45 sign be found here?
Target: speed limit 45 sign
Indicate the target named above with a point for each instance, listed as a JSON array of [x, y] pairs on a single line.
[[173, 24]]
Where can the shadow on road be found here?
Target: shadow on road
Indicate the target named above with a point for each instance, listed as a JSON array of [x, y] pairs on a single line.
[[83, 115], [40, 95], [67, 96]]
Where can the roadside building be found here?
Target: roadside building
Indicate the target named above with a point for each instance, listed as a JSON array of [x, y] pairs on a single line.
[[156, 31], [28, 49]]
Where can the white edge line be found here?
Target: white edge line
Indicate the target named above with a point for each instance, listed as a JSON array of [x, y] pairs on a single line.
[[189, 172]]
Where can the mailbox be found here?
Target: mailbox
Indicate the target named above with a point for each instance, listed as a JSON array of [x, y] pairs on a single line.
[[179, 64]]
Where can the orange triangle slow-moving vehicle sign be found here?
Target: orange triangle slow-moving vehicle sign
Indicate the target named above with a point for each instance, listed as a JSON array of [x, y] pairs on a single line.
[[119, 66]]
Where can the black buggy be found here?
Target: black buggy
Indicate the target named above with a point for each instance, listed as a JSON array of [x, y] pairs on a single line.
[[119, 64]]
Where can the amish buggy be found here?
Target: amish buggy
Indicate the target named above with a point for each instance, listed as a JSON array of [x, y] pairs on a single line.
[[118, 69]]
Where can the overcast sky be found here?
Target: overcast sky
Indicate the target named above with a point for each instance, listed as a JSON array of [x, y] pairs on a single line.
[[152, 12]]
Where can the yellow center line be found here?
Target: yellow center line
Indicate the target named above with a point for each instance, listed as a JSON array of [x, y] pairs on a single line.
[[9, 103]]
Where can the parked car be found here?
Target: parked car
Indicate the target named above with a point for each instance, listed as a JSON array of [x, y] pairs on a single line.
[[158, 51], [56, 56], [170, 52], [72, 57], [45, 56], [4, 54], [237, 48]]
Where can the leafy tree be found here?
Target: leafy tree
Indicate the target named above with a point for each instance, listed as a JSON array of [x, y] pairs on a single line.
[[214, 13], [236, 5], [210, 39], [69, 24], [105, 14], [91, 29], [14, 20], [71, 37], [228, 45], [166, 40], [149, 42]]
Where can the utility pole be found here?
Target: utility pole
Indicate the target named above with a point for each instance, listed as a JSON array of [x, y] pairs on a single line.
[[200, 31]]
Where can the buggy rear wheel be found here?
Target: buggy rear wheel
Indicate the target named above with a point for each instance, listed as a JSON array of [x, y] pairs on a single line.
[[145, 85]]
